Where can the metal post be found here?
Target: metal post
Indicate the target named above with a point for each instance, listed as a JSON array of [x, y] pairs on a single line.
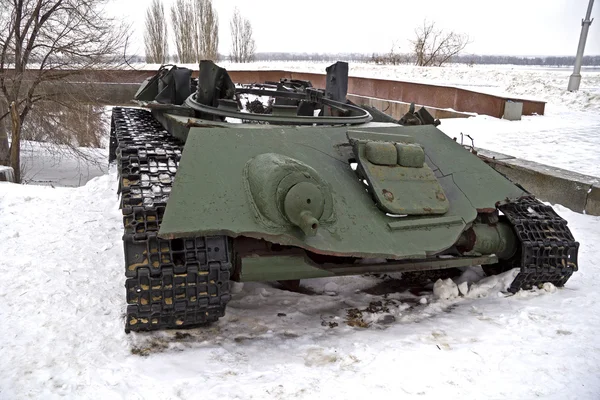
[[575, 78]]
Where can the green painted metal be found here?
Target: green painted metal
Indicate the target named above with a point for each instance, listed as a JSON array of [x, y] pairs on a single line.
[[409, 224], [404, 190], [496, 239], [282, 268], [410, 155], [213, 194]]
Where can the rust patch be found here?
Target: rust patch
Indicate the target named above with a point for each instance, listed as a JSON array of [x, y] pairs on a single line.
[[389, 196], [193, 124], [133, 267], [486, 210]]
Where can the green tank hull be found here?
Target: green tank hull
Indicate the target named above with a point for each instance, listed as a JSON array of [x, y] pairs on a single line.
[[206, 201]]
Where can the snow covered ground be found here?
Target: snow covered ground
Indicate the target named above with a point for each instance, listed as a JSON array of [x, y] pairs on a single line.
[[562, 138], [61, 323], [63, 299]]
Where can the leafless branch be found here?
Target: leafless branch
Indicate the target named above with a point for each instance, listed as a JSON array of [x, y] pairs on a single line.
[[156, 35], [243, 46], [207, 30], [184, 26], [434, 47], [44, 42]]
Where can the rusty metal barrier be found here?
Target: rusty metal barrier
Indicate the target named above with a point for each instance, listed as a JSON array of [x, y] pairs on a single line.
[[437, 96]]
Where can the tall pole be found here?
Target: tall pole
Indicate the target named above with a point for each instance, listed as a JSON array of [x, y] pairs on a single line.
[[575, 78]]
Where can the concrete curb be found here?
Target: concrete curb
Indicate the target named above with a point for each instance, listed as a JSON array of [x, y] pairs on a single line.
[[580, 193]]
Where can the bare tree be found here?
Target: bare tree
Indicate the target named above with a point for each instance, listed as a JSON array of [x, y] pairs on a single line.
[[4, 146], [185, 28], [156, 35], [243, 46], [207, 30], [45, 44], [434, 47]]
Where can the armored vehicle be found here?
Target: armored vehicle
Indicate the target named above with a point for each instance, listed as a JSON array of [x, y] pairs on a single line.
[[282, 181]]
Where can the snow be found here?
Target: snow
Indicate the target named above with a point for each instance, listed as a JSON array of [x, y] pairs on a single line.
[[62, 304], [537, 138], [62, 301], [445, 289]]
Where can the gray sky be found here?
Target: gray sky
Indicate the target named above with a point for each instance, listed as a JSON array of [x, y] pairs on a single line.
[[512, 27]]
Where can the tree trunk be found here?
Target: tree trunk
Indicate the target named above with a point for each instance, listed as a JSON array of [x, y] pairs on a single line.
[[4, 148], [15, 145]]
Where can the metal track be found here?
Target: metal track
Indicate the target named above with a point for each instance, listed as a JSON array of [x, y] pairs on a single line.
[[548, 250], [170, 283]]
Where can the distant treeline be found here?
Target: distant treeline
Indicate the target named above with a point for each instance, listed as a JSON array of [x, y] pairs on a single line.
[[547, 60], [471, 59], [409, 59]]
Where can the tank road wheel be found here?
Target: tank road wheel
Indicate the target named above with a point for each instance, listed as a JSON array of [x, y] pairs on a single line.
[[548, 251], [169, 283]]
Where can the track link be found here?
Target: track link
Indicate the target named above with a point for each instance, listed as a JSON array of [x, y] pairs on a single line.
[[169, 283], [548, 250]]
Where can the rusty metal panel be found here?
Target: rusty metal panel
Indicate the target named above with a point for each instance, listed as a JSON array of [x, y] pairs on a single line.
[[428, 95]]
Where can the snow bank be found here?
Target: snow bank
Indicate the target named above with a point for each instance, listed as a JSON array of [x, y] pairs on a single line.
[[61, 322]]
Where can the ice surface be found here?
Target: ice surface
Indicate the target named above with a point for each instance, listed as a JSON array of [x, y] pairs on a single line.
[[62, 303]]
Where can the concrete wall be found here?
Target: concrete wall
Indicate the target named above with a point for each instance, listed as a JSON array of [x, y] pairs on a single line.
[[580, 193]]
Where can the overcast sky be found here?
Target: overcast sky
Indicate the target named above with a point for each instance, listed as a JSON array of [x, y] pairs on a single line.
[[511, 27]]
